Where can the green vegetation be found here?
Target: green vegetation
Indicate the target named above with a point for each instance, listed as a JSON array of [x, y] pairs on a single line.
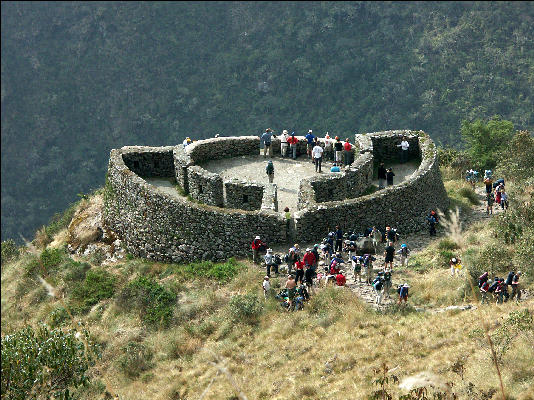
[[43, 363], [98, 284], [136, 358], [153, 301], [246, 308], [153, 73], [10, 250]]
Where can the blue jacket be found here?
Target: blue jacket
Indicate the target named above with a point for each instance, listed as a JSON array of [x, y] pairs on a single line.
[[266, 138], [309, 137]]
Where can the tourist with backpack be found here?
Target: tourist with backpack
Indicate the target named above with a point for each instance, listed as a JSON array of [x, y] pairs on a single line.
[[402, 290], [389, 176], [266, 139], [368, 267], [504, 199], [378, 284], [376, 235], [293, 257], [499, 291], [455, 265], [483, 279], [357, 267], [488, 180], [432, 222], [308, 277], [328, 148], [484, 288], [270, 262], [269, 169], [516, 292], [389, 254], [404, 252], [340, 279], [339, 240], [309, 258], [299, 269], [387, 282]]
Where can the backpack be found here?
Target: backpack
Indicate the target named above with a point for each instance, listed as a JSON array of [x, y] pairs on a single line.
[[510, 278], [277, 259], [493, 286], [286, 257]]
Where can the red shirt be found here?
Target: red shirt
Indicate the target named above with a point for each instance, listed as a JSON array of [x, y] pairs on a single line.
[[347, 146], [340, 279], [299, 264], [292, 140], [256, 243], [309, 258]]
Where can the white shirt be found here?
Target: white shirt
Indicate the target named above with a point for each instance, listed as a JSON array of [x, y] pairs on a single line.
[[266, 285], [404, 145], [317, 152], [327, 142], [283, 138]]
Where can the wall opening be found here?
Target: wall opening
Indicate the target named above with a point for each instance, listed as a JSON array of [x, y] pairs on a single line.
[[200, 189], [136, 165], [245, 198]]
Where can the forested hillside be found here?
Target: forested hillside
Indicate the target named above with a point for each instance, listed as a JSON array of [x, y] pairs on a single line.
[[79, 79]]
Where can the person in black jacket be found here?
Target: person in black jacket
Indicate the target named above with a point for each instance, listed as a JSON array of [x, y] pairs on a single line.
[[389, 176], [381, 176]]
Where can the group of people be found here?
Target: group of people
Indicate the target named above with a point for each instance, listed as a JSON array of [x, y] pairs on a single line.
[[304, 274], [499, 287], [495, 192]]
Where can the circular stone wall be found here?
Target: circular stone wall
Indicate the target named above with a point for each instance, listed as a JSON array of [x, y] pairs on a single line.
[[155, 224]]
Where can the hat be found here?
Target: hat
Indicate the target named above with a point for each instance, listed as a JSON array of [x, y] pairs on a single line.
[[257, 237], [292, 133], [518, 273], [269, 250], [453, 259], [406, 285], [337, 137], [327, 136], [316, 245], [284, 131], [310, 131], [266, 278], [296, 245], [403, 245], [308, 249], [338, 255]]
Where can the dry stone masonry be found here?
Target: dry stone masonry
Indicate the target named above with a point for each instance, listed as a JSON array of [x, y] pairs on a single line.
[[215, 219]]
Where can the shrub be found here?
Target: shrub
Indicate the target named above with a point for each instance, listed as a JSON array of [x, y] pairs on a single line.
[[75, 271], [51, 258], [222, 272], [154, 302], [469, 194], [97, 285], [42, 363], [10, 250], [447, 244], [136, 358], [245, 308], [58, 317]]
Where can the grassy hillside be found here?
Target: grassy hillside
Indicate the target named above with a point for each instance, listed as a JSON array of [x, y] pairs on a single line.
[[203, 330], [81, 78]]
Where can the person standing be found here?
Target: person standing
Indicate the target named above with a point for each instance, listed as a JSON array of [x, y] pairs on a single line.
[[389, 254], [403, 293], [347, 152], [299, 268], [308, 278], [269, 169], [389, 176], [328, 149], [309, 145], [283, 143], [404, 145], [266, 287], [432, 224], [257, 244], [339, 240], [357, 267], [381, 176], [293, 142], [270, 262], [404, 252], [266, 139], [291, 287], [515, 286], [309, 258], [489, 203], [504, 199], [338, 148], [293, 257], [387, 282], [378, 284], [484, 292], [317, 154]]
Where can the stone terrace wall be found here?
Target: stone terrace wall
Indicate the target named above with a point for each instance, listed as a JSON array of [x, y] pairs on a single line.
[[205, 186], [270, 197], [223, 147], [385, 145], [150, 161], [404, 206], [156, 225], [182, 161], [237, 192]]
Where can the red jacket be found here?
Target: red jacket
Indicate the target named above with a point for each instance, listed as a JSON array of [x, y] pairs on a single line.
[[347, 146], [299, 264], [256, 244], [309, 258], [340, 279]]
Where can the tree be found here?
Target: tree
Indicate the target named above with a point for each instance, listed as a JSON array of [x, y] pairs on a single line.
[[485, 141]]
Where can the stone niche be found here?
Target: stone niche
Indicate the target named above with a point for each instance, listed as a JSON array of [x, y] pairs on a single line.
[[205, 186]]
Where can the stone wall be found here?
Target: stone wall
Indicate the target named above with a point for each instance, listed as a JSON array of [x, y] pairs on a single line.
[[404, 206], [243, 195], [165, 227], [156, 225], [385, 145], [205, 186], [223, 147], [150, 162]]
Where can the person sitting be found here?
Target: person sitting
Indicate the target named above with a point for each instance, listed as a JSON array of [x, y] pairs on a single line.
[[340, 279], [335, 168]]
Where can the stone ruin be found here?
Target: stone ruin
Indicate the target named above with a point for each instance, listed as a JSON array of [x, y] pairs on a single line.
[[214, 219]]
